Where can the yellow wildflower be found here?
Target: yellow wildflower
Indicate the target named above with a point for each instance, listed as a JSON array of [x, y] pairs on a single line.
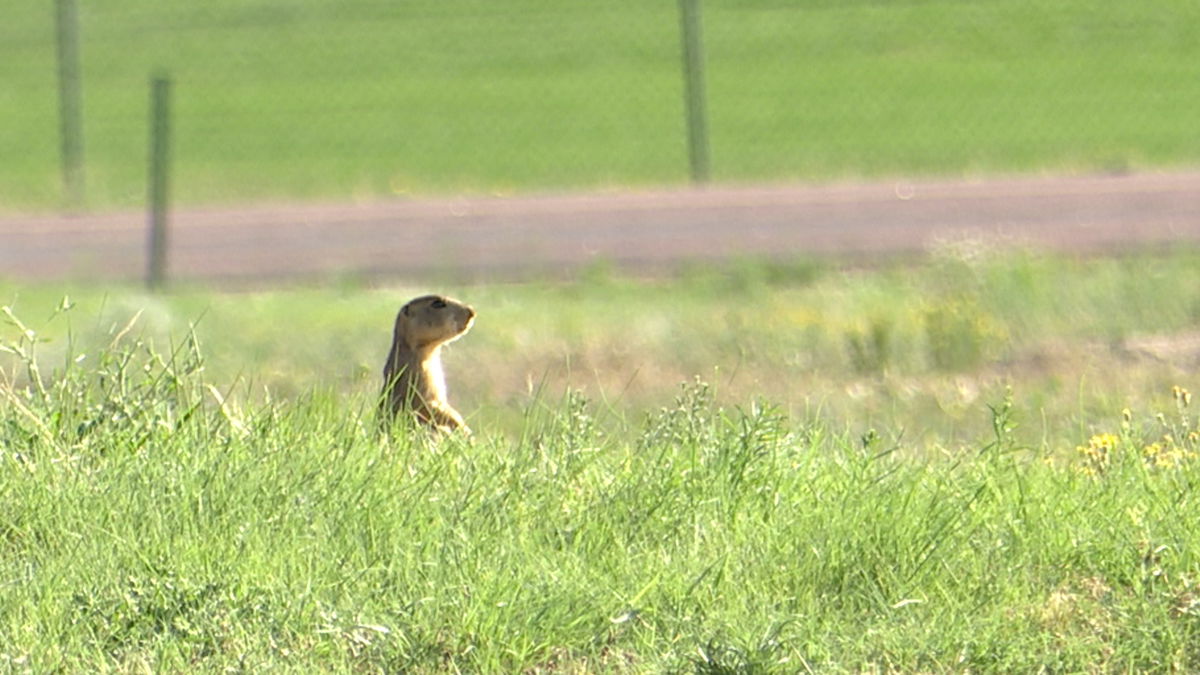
[[1097, 453], [1182, 396], [1166, 454]]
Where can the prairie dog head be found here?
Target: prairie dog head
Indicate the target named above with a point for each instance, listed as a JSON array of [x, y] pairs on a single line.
[[432, 320]]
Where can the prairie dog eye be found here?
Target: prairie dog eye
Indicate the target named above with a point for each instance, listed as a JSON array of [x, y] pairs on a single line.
[[438, 304]]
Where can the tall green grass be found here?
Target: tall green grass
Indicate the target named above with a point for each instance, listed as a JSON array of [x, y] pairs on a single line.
[[148, 523], [358, 99], [172, 499]]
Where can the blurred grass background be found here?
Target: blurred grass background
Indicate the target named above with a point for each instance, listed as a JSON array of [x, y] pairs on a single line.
[[917, 350], [360, 99]]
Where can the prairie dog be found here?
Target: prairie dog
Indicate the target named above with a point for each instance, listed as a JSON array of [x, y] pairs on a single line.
[[412, 376]]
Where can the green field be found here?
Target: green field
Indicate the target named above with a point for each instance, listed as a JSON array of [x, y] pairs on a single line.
[[356, 99], [984, 463]]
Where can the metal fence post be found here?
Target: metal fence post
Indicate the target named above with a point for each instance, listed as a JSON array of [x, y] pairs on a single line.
[[693, 69], [70, 101], [160, 137]]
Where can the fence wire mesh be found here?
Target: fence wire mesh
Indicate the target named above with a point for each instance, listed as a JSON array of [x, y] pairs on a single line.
[[354, 99]]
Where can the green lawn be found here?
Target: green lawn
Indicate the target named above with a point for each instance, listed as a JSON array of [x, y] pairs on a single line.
[[985, 463], [318, 100]]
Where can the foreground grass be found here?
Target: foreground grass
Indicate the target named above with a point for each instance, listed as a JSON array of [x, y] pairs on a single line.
[[211, 499], [357, 99], [144, 525]]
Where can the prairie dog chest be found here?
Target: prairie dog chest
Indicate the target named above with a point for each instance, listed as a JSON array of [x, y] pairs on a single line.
[[434, 377]]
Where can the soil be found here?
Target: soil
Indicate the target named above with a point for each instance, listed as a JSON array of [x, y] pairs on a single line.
[[475, 238]]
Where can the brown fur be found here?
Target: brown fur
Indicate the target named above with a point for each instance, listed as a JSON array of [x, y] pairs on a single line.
[[412, 376]]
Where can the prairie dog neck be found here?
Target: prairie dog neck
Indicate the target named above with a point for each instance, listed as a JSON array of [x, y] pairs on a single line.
[[419, 369]]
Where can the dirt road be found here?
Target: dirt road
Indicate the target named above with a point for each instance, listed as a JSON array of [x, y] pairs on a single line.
[[494, 237]]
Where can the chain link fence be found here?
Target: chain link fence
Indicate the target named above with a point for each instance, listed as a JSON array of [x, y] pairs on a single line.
[[326, 100]]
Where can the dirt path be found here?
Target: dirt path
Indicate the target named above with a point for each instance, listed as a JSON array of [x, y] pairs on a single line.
[[504, 237]]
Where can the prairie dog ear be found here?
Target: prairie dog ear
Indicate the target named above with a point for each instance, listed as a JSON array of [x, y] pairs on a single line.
[[402, 320]]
